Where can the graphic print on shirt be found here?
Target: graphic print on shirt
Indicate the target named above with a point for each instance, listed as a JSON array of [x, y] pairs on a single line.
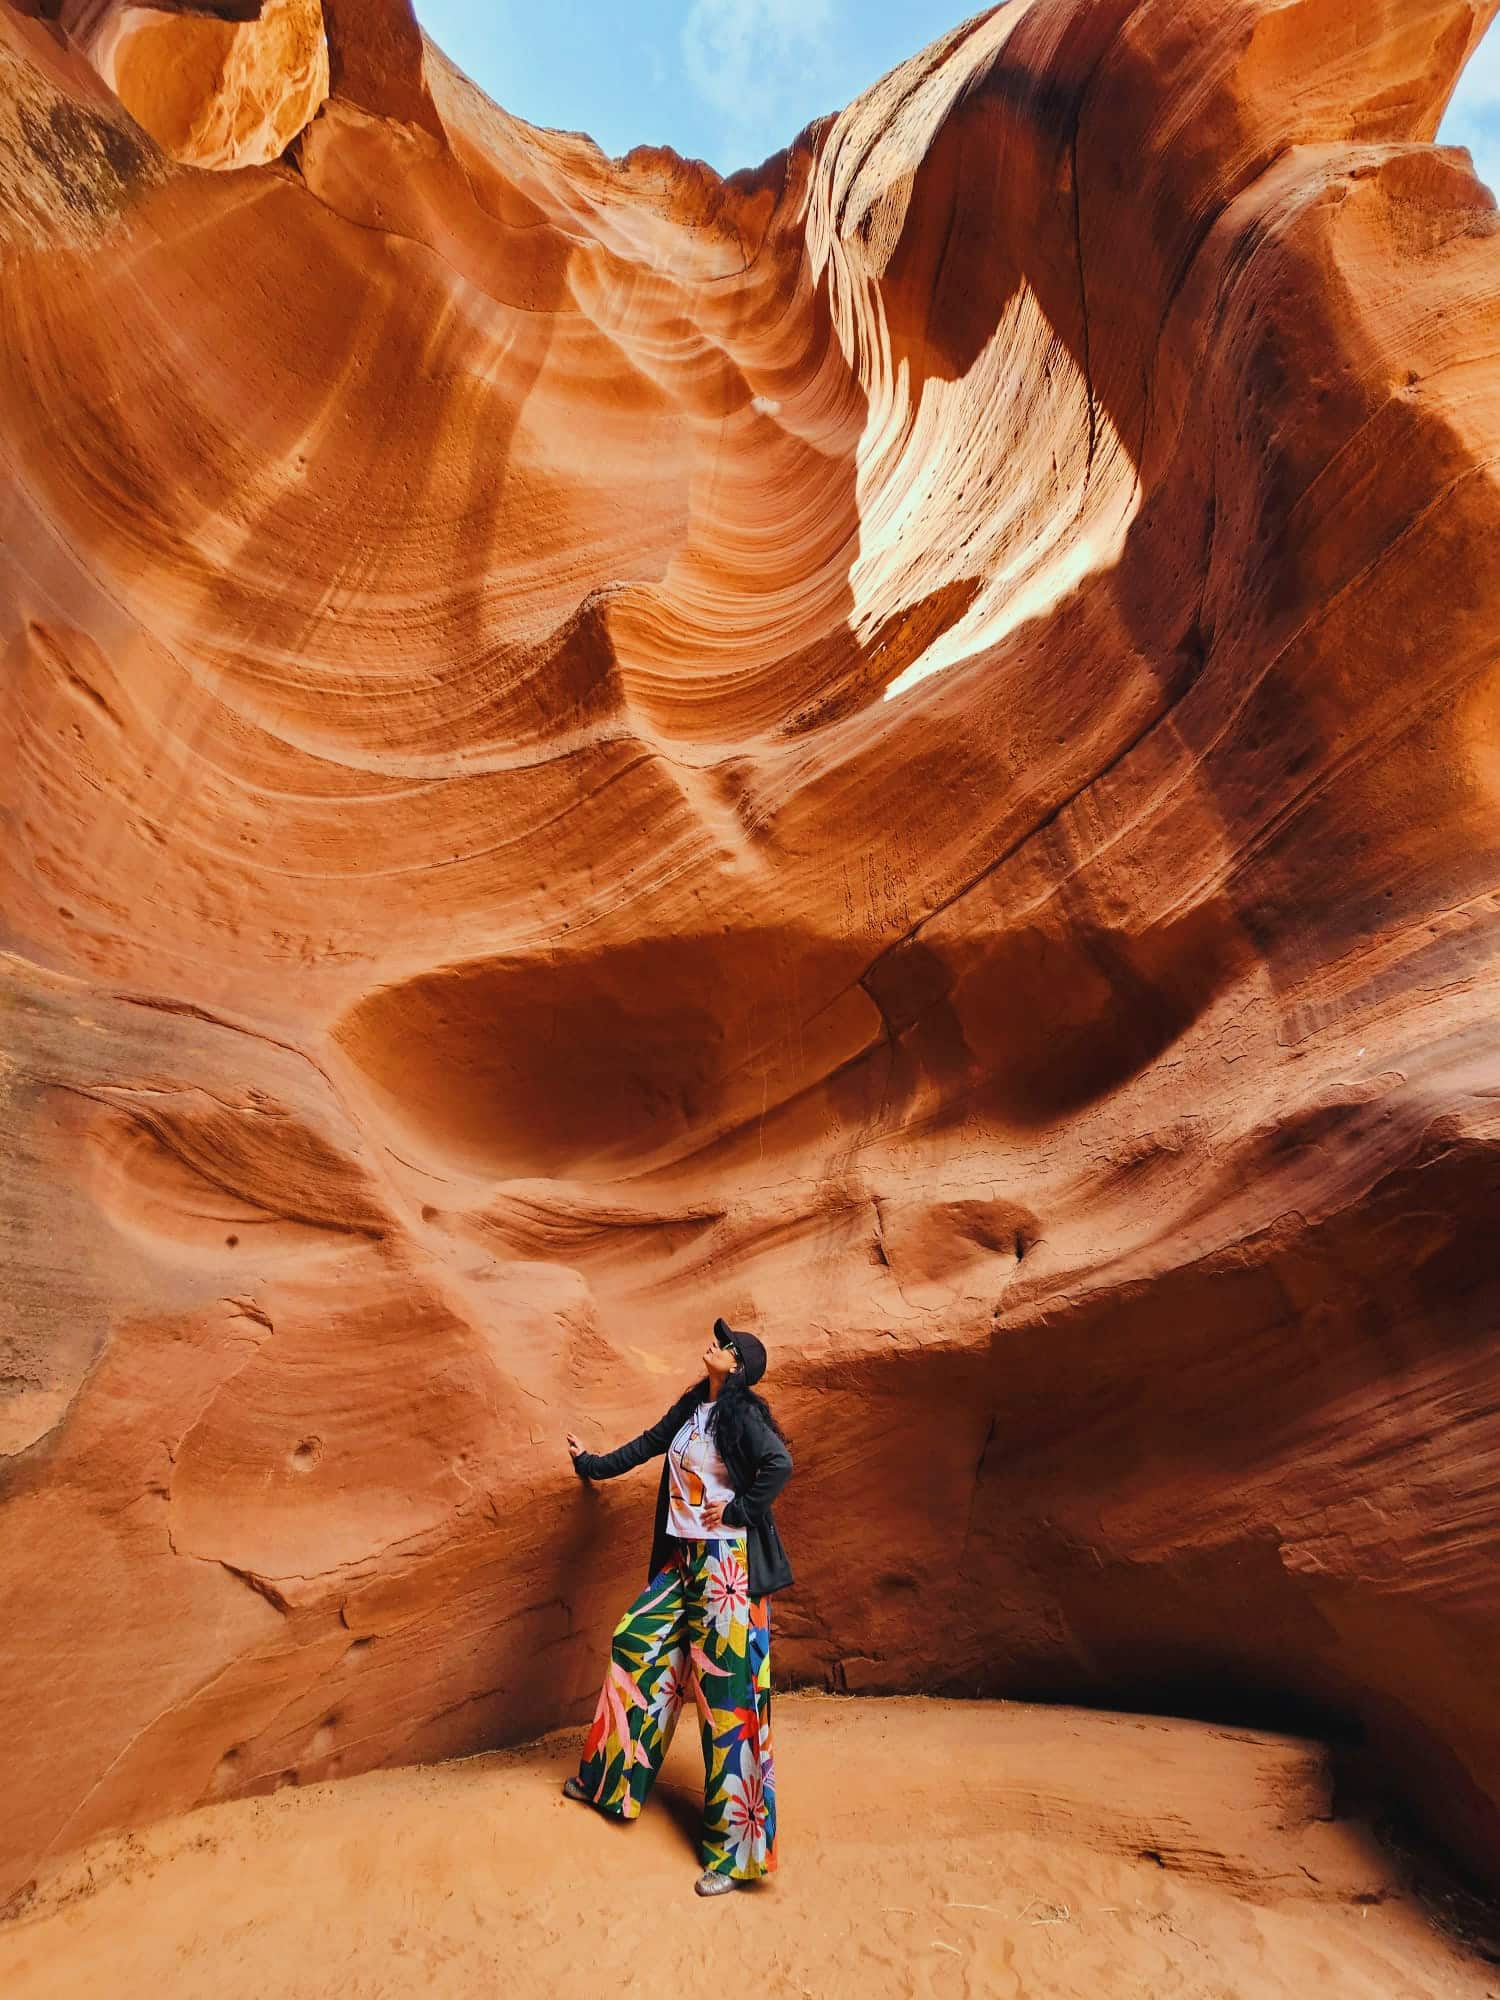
[[692, 1485], [696, 1475]]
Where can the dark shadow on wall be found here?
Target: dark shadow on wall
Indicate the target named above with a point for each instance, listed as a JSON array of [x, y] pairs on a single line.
[[562, 1063], [1028, 1026], [1239, 1489]]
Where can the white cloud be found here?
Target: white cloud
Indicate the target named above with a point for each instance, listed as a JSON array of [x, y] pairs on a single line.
[[1473, 118], [759, 64]]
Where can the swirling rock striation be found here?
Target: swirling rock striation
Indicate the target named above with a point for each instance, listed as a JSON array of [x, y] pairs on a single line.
[[903, 746]]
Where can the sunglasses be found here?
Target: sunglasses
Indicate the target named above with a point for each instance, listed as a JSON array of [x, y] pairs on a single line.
[[720, 1341]]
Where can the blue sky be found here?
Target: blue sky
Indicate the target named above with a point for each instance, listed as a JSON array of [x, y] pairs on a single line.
[[728, 81], [1474, 115], [732, 80]]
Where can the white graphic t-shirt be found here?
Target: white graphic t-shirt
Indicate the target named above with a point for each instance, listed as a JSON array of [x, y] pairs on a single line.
[[696, 1474]]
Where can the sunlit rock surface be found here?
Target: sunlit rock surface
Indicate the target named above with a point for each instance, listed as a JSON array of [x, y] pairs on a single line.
[[217, 83], [903, 747]]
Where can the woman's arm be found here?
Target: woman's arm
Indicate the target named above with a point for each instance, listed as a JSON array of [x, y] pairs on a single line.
[[773, 1469], [625, 1457]]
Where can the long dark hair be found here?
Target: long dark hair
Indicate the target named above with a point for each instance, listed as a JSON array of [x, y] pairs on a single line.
[[732, 1416]]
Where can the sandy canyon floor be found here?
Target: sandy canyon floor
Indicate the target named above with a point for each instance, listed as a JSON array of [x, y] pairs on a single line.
[[929, 1848]]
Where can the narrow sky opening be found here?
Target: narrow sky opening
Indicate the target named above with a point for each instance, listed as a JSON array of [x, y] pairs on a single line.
[[1473, 118], [727, 81], [732, 81]]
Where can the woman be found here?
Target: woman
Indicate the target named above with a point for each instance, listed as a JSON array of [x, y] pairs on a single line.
[[702, 1625]]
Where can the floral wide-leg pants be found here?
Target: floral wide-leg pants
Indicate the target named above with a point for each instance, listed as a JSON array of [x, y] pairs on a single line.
[[694, 1633]]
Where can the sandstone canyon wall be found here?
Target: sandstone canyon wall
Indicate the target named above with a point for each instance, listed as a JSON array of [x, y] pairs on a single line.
[[903, 747]]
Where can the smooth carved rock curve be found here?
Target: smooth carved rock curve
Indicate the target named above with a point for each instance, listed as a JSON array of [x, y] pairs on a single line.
[[903, 746]]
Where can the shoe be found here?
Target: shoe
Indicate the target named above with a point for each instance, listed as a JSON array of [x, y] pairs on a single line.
[[710, 1884], [573, 1790]]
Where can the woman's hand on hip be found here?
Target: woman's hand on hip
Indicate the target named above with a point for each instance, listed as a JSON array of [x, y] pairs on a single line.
[[711, 1514]]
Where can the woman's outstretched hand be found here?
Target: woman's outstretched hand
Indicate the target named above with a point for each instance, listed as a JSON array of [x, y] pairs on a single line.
[[575, 1445]]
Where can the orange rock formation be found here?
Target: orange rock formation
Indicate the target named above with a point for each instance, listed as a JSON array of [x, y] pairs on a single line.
[[902, 747]]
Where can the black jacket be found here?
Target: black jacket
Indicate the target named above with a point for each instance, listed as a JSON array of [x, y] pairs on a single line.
[[756, 1485]]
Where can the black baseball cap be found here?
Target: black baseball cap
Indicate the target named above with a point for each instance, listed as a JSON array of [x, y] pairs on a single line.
[[751, 1352]]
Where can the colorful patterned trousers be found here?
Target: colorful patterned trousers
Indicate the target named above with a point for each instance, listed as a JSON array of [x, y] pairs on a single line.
[[693, 1633]]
